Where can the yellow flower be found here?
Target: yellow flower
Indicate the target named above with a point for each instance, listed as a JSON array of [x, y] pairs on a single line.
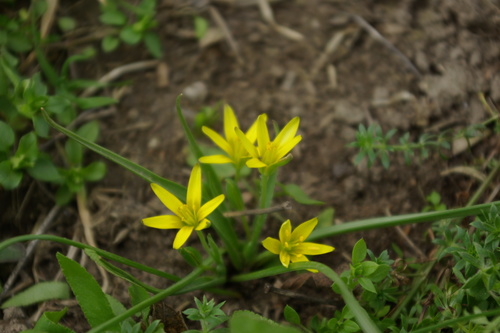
[[291, 246], [231, 145], [188, 216], [270, 154]]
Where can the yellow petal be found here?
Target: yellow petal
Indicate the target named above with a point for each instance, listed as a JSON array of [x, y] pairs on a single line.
[[209, 207], [312, 248], [250, 148], [167, 198], [203, 225], [287, 146], [230, 123], [285, 258], [288, 132], [182, 236], [215, 159], [298, 258], [303, 230], [255, 163], [262, 132], [193, 198], [285, 231], [163, 222], [217, 139], [251, 134], [302, 259], [272, 245]]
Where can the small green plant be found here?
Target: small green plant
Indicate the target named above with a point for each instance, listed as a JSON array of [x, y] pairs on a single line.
[[115, 13], [208, 314], [374, 145]]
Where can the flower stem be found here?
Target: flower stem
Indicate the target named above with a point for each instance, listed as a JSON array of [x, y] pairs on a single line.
[[267, 184]]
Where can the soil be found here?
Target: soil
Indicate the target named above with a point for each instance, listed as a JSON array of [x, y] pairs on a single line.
[[415, 66]]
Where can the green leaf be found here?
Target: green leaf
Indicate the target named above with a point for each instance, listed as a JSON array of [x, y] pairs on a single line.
[[113, 17], [138, 295], [9, 178], [109, 43], [41, 126], [367, 284], [49, 322], [37, 293], [94, 102], [153, 44], [63, 195], [350, 326], [7, 136], [249, 322], [94, 171], [27, 150], [89, 131], [92, 300], [298, 195], [369, 267], [381, 273], [200, 26], [66, 23], [291, 315], [130, 36], [45, 170], [325, 218], [12, 253], [74, 152], [359, 252], [18, 43], [191, 255]]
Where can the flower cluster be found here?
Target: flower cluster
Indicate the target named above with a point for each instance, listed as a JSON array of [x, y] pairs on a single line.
[[240, 147], [255, 149]]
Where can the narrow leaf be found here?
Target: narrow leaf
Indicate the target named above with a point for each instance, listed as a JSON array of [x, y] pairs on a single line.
[[39, 292], [90, 297]]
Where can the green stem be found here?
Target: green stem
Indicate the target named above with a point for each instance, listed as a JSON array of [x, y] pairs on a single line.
[[267, 184], [484, 185], [391, 221], [179, 285], [203, 241], [360, 314], [449, 323], [102, 253]]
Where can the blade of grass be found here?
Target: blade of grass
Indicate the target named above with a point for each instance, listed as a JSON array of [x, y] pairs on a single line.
[[391, 221], [102, 253]]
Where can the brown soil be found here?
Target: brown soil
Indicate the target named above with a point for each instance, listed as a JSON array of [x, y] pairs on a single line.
[[454, 50]]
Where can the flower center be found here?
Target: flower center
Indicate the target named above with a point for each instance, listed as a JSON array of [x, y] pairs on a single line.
[[269, 153], [187, 215]]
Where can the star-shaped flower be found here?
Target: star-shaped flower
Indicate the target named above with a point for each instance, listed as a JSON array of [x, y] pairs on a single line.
[[188, 216], [231, 145], [291, 246], [268, 155]]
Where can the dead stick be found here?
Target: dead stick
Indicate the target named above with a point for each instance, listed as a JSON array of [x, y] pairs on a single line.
[[378, 37]]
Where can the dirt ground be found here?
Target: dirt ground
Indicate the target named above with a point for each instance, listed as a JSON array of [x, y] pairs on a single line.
[[414, 65]]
